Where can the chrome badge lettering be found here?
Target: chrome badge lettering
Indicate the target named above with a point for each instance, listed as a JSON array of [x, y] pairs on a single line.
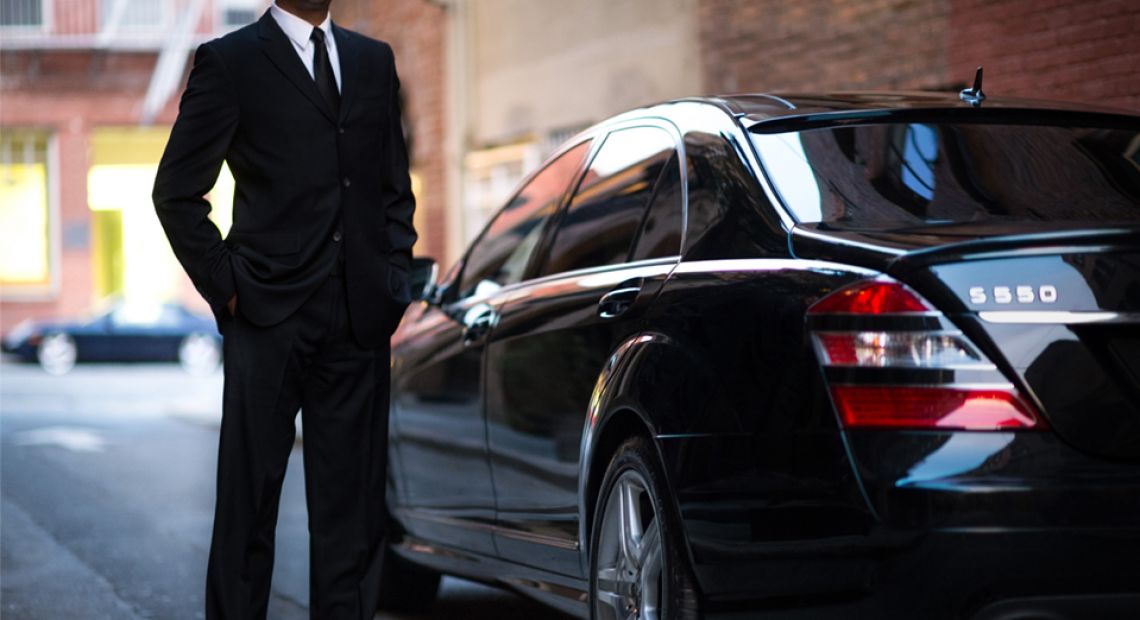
[[1021, 294]]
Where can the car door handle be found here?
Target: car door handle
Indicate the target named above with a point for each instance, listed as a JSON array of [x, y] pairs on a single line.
[[478, 328], [617, 301]]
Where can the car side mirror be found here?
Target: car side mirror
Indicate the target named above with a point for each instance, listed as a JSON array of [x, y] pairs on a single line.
[[423, 279]]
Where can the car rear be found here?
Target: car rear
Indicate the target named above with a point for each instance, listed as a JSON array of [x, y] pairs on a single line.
[[987, 383]]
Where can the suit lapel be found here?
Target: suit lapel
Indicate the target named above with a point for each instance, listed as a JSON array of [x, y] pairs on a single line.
[[349, 54], [280, 51]]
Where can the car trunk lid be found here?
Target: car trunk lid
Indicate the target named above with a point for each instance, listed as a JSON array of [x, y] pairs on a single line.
[[1056, 307]]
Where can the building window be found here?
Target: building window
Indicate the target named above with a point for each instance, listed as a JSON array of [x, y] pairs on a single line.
[[22, 13], [237, 13], [491, 175], [133, 13], [25, 210]]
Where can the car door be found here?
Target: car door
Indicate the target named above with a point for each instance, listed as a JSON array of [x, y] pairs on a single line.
[[554, 334], [133, 331], [438, 425]]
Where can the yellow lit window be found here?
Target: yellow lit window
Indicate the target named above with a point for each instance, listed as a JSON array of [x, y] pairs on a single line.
[[25, 242]]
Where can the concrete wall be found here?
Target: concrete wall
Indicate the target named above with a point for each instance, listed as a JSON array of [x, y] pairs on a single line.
[[541, 66]]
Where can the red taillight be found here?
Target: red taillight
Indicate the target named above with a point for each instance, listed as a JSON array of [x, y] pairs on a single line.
[[877, 332], [931, 407], [871, 297]]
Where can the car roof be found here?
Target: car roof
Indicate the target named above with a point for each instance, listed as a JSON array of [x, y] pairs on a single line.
[[785, 111]]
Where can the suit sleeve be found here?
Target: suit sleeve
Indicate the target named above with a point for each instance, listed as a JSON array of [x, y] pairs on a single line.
[[207, 121], [399, 202]]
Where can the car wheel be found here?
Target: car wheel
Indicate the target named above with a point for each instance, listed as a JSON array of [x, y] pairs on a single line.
[[637, 564], [57, 353], [405, 586], [199, 354]]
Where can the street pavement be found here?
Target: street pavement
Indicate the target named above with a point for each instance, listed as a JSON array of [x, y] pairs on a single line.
[[106, 500]]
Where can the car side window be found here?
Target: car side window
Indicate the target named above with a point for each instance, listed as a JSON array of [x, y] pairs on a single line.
[[660, 234], [728, 213], [501, 254], [600, 225], [140, 314]]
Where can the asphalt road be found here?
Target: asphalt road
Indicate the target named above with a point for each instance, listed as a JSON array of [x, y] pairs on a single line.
[[106, 500]]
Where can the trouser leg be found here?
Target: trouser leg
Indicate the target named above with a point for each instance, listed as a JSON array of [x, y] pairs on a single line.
[[345, 420], [260, 403]]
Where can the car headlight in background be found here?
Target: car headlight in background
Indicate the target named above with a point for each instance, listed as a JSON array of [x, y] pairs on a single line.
[[24, 330]]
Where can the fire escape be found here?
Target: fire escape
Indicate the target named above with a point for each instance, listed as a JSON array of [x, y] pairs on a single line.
[[169, 28]]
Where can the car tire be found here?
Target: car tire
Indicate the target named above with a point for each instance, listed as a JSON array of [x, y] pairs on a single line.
[[199, 354], [57, 353], [638, 565], [405, 586]]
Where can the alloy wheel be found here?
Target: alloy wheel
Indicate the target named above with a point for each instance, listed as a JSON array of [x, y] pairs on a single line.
[[57, 353], [199, 354], [630, 555]]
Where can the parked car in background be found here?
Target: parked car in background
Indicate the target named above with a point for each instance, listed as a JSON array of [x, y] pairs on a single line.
[[853, 356], [127, 332]]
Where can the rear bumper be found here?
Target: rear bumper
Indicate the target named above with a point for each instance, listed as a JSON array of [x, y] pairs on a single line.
[[983, 575], [922, 526]]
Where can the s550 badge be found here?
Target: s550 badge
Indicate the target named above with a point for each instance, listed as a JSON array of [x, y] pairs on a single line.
[[1046, 294]]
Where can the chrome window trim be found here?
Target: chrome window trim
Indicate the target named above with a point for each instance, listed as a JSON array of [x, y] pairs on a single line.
[[1056, 317], [508, 291], [770, 264]]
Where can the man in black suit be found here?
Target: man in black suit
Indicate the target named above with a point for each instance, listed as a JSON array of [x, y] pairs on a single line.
[[307, 288]]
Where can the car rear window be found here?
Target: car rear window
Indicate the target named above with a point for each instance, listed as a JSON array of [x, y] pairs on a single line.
[[895, 175]]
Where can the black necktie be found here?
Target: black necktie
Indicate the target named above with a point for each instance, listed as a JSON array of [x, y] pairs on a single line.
[[323, 72]]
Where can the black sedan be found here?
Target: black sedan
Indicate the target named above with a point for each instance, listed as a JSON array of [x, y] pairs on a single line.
[[127, 332], [872, 355]]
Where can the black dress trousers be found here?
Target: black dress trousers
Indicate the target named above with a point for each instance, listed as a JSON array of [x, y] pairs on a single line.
[[311, 362]]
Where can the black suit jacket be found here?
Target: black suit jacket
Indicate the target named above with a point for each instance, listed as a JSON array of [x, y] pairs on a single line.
[[307, 180]]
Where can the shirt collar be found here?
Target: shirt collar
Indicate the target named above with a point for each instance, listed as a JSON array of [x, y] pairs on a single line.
[[297, 29]]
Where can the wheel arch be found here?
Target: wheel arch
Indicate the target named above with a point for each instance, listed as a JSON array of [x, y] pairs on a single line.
[[616, 413]]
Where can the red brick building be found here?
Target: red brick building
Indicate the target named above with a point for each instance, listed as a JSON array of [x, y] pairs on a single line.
[[416, 29]]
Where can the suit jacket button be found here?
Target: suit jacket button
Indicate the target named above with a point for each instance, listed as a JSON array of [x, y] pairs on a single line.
[[340, 130], [337, 236], [347, 182]]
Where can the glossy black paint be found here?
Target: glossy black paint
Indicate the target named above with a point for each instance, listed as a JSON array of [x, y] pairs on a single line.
[[502, 440]]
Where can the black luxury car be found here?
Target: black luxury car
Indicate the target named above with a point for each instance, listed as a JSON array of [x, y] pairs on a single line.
[[853, 355]]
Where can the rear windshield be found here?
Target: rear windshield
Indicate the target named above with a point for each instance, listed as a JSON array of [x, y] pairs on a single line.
[[910, 174]]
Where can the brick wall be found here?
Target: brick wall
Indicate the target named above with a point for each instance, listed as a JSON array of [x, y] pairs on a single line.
[[1080, 50], [416, 30], [1058, 49], [774, 45]]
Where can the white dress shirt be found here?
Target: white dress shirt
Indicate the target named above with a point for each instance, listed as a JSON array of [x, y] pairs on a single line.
[[298, 31]]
